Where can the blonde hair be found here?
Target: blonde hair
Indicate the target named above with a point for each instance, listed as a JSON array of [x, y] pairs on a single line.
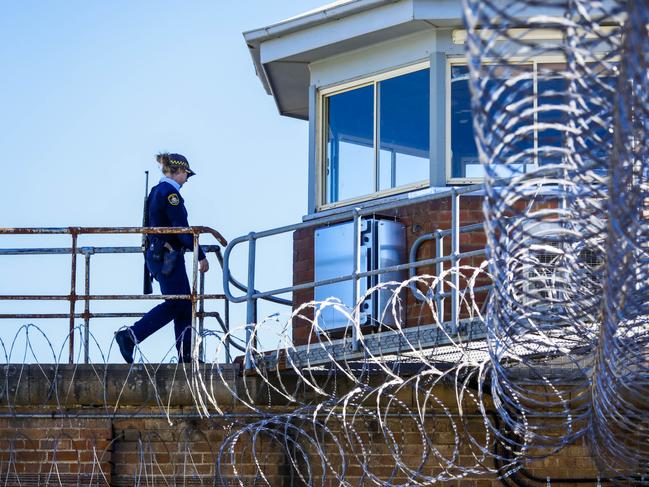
[[165, 165]]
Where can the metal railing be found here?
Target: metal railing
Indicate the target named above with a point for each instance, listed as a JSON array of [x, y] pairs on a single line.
[[197, 295], [250, 295], [440, 294], [356, 215]]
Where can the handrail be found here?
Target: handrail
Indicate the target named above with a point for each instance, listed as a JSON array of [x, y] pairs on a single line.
[[252, 295], [437, 235], [112, 230], [337, 218], [356, 214], [242, 287], [197, 292]]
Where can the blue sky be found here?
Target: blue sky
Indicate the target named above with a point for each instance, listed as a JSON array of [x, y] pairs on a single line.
[[91, 90]]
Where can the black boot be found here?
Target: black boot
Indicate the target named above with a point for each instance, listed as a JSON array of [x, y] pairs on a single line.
[[126, 344]]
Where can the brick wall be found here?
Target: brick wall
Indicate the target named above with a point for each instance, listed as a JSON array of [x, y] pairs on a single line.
[[303, 271], [47, 451], [153, 452], [125, 452], [140, 445]]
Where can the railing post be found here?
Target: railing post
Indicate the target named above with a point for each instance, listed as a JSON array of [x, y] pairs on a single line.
[[226, 312], [355, 281], [73, 292], [455, 251], [194, 291], [250, 302], [439, 270], [201, 317], [87, 252]]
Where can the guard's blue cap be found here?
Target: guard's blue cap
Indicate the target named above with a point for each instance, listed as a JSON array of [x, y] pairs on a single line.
[[178, 160]]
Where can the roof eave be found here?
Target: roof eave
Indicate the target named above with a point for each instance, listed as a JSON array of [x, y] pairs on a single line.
[[256, 36], [253, 49]]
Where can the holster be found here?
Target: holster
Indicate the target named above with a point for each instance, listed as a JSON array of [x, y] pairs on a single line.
[[169, 261], [147, 288], [157, 249]]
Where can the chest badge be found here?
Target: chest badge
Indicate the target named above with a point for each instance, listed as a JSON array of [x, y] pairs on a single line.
[[174, 199]]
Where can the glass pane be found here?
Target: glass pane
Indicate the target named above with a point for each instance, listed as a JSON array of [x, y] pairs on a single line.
[[356, 170], [387, 168], [596, 89], [509, 115], [592, 96], [552, 111], [464, 153], [404, 129], [350, 144]]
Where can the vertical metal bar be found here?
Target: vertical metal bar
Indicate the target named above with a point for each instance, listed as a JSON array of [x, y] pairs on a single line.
[[250, 302], [355, 281], [440, 83], [377, 138], [86, 311], [439, 270], [334, 162], [201, 318], [73, 292], [393, 169], [535, 96], [226, 312], [315, 182], [455, 251], [194, 289]]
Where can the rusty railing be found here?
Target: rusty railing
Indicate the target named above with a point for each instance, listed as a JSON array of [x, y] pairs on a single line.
[[197, 295]]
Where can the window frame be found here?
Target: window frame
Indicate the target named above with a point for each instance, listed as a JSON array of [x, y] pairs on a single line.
[[462, 61], [321, 136]]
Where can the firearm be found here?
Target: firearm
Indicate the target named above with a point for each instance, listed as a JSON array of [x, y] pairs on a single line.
[[147, 288]]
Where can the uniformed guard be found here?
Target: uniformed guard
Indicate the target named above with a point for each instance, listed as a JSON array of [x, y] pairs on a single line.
[[164, 258]]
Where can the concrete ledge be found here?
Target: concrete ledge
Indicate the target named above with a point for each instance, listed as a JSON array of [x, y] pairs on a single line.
[[115, 385]]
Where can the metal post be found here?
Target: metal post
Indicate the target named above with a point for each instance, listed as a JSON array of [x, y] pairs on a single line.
[[226, 312], [194, 292], [455, 251], [73, 292], [355, 281], [439, 270], [201, 317], [250, 302], [393, 169], [86, 310]]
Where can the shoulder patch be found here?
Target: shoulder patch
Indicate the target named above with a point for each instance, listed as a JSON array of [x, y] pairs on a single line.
[[174, 199]]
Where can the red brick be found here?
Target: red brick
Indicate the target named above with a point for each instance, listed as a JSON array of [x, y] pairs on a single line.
[[30, 456], [63, 456]]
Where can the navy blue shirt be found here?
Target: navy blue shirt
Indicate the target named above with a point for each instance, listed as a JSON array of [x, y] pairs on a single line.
[[167, 209]]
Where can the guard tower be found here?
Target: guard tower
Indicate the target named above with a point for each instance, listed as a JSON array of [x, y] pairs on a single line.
[[383, 85]]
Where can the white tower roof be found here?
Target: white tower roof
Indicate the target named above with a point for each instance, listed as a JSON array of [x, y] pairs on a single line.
[[283, 51]]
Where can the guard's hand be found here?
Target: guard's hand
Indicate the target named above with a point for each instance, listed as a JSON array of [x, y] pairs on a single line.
[[203, 265]]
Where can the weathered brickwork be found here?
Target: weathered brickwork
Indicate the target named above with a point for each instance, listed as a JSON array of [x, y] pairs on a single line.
[[123, 442], [151, 451], [47, 451], [303, 243]]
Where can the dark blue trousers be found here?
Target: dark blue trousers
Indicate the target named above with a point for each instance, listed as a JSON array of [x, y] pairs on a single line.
[[180, 311]]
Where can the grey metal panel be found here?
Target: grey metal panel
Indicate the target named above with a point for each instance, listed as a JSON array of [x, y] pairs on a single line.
[[438, 119], [382, 245], [334, 257], [391, 245]]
